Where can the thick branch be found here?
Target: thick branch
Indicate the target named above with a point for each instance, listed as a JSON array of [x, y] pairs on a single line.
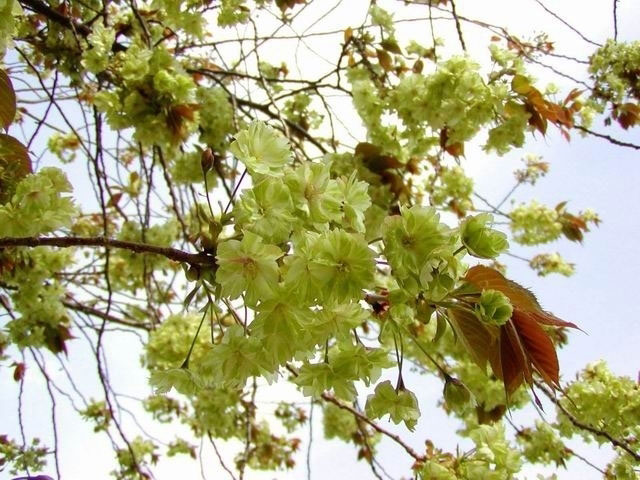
[[55, 16], [168, 252], [43, 9]]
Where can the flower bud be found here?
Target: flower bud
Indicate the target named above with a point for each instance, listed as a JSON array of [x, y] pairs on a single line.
[[456, 394], [493, 308], [480, 240], [206, 160]]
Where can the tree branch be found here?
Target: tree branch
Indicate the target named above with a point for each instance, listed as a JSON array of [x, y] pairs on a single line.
[[73, 304], [610, 139], [330, 398], [583, 426], [55, 16], [64, 242]]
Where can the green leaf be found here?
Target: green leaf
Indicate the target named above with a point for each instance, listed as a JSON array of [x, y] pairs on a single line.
[[357, 362], [190, 295], [520, 84], [7, 100]]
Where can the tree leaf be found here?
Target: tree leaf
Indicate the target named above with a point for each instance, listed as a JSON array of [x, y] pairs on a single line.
[[484, 278], [512, 361], [391, 46], [538, 347], [7, 100], [520, 84], [480, 340], [18, 371], [348, 33], [385, 60], [15, 164]]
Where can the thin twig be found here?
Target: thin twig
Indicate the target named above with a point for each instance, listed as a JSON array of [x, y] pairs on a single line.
[[583, 426], [608, 138], [458, 27], [396, 438]]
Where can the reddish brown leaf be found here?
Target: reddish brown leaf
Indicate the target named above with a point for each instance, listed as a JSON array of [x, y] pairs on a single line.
[[367, 150], [565, 134], [18, 371], [385, 60], [391, 46], [513, 362], [56, 337], [114, 199], [288, 4], [538, 347], [479, 340], [7, 100], [490, 416], [455, 149], [15, 164], [484, 278], [572, 226], [536, 120], [374, 160], [524, 346], [186, 110], [551, 320], [522, 299], [573, 94], [627, 115]]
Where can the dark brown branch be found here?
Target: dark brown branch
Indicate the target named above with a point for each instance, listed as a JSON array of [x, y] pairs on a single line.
[[94, 312], [55, 16], [567, 24], [615, 20], [458, 27], [292, 125], [168, 252], [396, 438], [330, 398], [608, 138]]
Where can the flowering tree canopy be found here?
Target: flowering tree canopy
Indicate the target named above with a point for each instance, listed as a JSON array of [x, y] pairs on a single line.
[[305, 223]]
